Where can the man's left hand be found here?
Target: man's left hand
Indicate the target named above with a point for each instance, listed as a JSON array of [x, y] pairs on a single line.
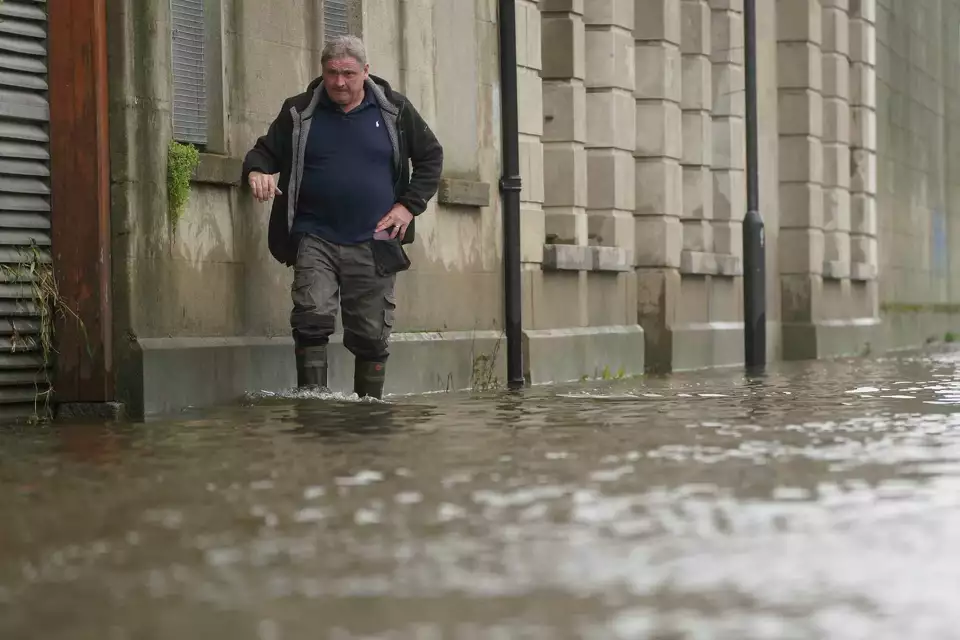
[[399, 218]]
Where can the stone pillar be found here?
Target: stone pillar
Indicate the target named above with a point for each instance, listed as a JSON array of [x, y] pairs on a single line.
[[836, 139], [800, 113], [659, 177], [863, 140], [530, 122], [565, 121], [729, 144], [611, 122], [696, 104]]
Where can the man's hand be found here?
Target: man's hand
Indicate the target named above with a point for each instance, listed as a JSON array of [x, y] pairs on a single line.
[[263, 186], [399, 218]]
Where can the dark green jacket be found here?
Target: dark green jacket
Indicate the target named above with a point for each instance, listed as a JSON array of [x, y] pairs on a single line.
[[282, 150]]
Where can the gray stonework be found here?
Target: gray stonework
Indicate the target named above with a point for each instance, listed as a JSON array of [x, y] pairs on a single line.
[[631, 117]]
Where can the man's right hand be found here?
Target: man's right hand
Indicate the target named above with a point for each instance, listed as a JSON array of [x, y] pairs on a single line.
[[264, 186]]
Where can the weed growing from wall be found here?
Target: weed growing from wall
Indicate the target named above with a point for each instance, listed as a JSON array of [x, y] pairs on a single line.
[[182, 160]]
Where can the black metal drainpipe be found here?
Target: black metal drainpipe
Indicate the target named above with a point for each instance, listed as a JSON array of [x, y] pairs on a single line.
[[754, 264], [510, 186]]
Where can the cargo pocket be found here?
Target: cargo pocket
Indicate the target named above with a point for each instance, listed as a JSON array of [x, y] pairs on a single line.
[[389, 257], [389, 310]]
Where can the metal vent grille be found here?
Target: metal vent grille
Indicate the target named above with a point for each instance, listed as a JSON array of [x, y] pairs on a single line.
[[335, 19], [24, 201], [189, 71]]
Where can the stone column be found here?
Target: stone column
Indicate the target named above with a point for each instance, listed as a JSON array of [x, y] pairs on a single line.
[[659, 177], [729, 145], [696, 104], [800, 112], [530, 121], [611, 122], [863, 140], [565, 121], [836, 139]]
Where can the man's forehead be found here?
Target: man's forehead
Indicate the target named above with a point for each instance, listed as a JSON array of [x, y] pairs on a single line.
[[343, 64]]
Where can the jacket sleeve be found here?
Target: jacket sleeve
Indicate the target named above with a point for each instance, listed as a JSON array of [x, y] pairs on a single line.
[[266, 156], [426, 154]]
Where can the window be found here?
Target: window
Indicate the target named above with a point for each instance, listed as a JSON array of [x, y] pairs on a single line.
[[189, 71], [336, 19]]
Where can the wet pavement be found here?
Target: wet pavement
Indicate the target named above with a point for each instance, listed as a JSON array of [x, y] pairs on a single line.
[[820, 501]]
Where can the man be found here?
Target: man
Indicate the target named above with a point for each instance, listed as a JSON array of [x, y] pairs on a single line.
[[344, 205]]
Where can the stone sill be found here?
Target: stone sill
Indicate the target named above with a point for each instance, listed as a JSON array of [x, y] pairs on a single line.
[[836, 270], [710, 264], [219, 170], [863, 272], [463, 193], [571, 257]]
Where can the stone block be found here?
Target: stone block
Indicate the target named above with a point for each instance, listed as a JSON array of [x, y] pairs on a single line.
[[836, 209], [801, 205], [836, 120], [697, 138], [863, 42], [659, 241], [611, 228], [564, 111], [567, 257], [567, 355], [863, 249], [616, 13], [729, 143], [726, 37], [801, 159], [658, 71], [697, 236], [835, 269], [863, 128], [727, 5], [865, 10], [532, 233], [863, 171], [562, 6], [863, 85], [836, 249], [836, 76], [530, 99], [612, 259], [836, 165], [531, 169], [863, 214], [862, 272], [801, 251], [565, 174], [800, 112], [610, 59], [697, 193], [799, 21], [799, 65], [659, 187], [694, 262], [611, 120], [659, 130], [563, 46], [695, 27], [657, 20], [728, 90], [610, 176], [728, 240], [467, 193], [565, 225], [531, 45], [697, 75], [836, 30], [729, 195]]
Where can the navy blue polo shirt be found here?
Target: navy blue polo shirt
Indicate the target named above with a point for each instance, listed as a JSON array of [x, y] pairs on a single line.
[[347, 184]]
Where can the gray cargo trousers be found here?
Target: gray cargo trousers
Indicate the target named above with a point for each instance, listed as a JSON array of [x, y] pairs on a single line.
[[325, 271]]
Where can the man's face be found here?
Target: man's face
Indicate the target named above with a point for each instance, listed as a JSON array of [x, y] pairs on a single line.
[[343, 79]]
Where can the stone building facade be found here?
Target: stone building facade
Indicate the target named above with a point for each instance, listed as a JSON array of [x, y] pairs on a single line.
[[633, 167]]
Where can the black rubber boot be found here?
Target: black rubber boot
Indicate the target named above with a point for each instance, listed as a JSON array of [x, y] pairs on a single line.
[[312, 367], [368, 378]]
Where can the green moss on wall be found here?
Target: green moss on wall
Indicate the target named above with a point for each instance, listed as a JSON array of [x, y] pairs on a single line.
[[182, 160]]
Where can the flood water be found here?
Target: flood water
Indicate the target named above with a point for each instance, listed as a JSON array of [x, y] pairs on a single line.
[[819, 501]]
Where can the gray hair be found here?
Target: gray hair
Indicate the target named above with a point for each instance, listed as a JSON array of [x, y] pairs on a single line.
[[344, 47]]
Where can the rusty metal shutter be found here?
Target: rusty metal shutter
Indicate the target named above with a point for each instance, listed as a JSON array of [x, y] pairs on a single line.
[[189, 71], [24, 199], [335, 19]]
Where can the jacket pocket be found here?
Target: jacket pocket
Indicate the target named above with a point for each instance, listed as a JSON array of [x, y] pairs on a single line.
[[389, 257]]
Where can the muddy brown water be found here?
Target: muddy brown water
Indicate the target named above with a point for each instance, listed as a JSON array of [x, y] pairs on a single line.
[[819, 501]]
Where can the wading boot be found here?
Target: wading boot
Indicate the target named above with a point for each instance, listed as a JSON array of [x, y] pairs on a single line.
[[368, 379], [312, 367]]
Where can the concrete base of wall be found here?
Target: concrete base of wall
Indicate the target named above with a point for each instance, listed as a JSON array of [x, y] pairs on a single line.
[[913, 329], [708, 344], [830, 338], [167, 375]]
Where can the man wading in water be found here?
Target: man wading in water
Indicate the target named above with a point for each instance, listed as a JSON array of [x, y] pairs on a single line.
[[344, 205]]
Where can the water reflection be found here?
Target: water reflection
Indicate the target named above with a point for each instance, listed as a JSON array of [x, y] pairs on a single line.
[[816, 501]]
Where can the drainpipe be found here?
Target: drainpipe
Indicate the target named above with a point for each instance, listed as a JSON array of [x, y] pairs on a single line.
[[510, 186], [754, 262]]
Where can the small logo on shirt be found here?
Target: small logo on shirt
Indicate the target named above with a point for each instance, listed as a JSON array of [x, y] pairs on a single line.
[[378, 124]]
